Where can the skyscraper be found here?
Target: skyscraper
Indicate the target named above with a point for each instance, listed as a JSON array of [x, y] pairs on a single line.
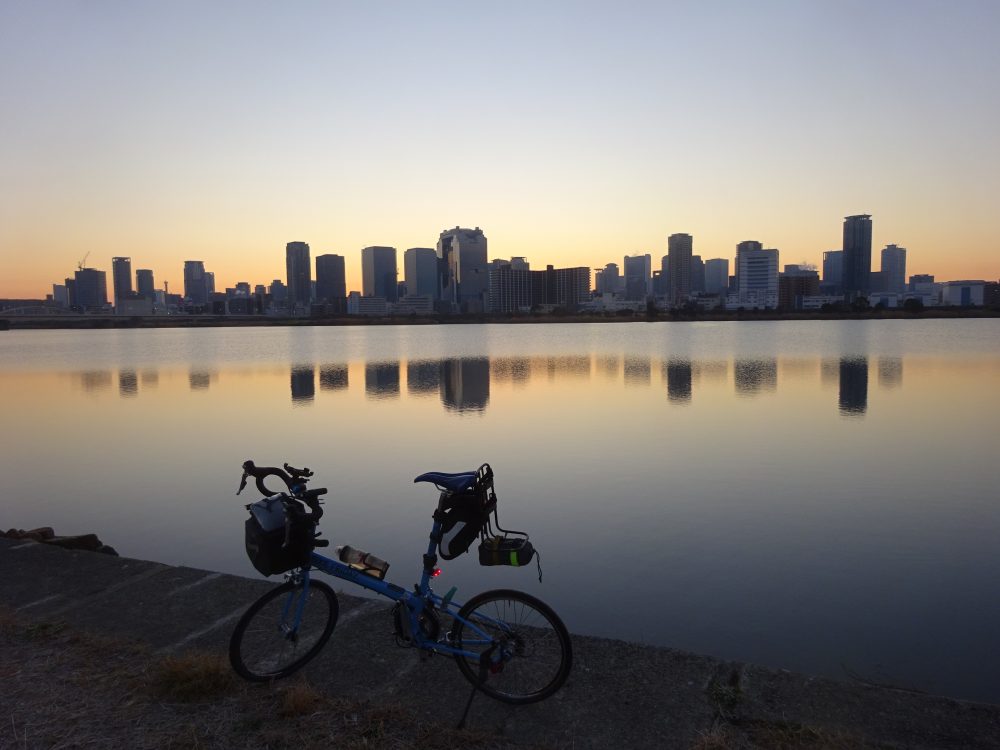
[[894, 269], [420, 270], [679, 249], [121, 274], [638, 273], [464, 268], [299, 275], [756, 275], [378, 272], [833, 266], [144, 283], [857, 258], [717, 276], [331, 283], [195, 283], [697, 275], [90, 289]]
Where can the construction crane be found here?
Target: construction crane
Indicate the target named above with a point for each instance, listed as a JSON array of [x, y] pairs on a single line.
[[82, 261]]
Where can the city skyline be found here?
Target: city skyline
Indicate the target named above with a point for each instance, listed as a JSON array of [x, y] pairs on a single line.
[[163, 133]]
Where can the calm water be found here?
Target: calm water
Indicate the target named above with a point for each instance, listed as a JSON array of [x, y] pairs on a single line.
[[818, 496]]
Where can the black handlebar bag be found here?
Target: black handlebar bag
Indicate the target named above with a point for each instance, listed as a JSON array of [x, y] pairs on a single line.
[[265, 535]]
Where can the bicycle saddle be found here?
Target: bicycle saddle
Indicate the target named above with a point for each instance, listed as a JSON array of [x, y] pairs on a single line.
[[451, 482]]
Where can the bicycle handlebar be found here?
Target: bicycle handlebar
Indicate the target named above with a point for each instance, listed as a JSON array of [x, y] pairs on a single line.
[[294, 479]]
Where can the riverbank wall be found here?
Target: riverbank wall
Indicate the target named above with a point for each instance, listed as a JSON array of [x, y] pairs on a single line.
[[618, 695]]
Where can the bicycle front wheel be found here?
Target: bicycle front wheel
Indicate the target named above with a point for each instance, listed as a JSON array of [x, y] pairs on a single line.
[[524, 649], [282, 630]]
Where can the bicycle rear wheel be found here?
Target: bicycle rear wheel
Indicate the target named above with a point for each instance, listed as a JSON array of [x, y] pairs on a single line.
[[524, 647], [267, 644]]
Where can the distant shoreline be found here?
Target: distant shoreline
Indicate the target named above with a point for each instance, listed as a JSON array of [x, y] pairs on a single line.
[[39, 322]]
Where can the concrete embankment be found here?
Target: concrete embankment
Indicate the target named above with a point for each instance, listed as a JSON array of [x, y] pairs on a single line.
[[619, 694]]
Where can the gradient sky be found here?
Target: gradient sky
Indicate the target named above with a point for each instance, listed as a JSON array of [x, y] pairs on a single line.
[[572, 133]]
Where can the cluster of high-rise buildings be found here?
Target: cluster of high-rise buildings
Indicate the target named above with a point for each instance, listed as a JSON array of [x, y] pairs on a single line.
[[457, 276]]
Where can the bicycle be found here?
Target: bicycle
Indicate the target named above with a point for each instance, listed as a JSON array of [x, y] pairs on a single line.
[[508, 644]]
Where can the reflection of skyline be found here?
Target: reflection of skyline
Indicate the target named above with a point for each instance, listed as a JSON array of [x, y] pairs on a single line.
[[382, 379], [128, 383], [853, 386], [751, 376], [333, 377], [423, 376], [303, 382], [677, 373], [638, 371], [890, 372], [463, 384]]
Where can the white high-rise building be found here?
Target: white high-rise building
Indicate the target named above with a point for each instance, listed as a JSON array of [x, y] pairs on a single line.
[[756, 277]]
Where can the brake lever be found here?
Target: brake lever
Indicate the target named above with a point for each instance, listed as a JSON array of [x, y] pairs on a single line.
[[243, 483]]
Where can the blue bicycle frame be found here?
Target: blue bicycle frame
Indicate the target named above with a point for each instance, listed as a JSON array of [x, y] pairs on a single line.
[[415, 602]]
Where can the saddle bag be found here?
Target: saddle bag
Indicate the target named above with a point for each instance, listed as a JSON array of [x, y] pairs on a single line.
[[265, 535]]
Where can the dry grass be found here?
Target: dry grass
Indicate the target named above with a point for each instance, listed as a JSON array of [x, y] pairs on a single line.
[[770, 735], [68, 689], [192, 676]]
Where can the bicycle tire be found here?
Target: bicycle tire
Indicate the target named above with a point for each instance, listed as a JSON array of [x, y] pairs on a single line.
[[536, 652], [262, 648]]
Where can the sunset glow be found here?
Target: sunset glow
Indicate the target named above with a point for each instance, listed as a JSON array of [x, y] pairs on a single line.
[[572, 133]]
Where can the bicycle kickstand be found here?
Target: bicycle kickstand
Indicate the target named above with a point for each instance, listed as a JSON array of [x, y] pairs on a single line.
[[484, 666]]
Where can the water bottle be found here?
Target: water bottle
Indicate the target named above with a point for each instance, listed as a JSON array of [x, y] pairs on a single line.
[[364, 561]]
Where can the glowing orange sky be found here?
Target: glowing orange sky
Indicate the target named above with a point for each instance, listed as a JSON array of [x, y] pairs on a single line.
[[573, 135]]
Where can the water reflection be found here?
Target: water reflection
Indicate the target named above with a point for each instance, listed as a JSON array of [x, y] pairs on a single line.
[[890, 372], [199, 380], [677, 373], [94, 381], [382, 380], [465, 383], [637, 371], [557, 367], [423, 377], [303, 383], [853, 386], [515, 370], [753, 376], [128, 383], [333, 377]]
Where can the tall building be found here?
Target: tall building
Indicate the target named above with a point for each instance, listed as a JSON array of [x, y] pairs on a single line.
[[679, 249], [638, 274], [857, 258], [894, 269], [608, 280], [510, 287], [144, 283], [195, 283], [833, 266], [463, 269], [665, 276], [331, 282], [561, 287], [697, 275], [378, 272], [420, 270], [90, 289], [717, 276], [121, 274], [796, 283], [744, 247], [298, 272], [756, 276]]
